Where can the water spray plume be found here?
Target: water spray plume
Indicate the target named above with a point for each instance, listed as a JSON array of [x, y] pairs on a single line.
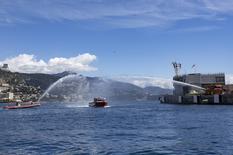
[[54, 84], [187, 84], [76, 88]]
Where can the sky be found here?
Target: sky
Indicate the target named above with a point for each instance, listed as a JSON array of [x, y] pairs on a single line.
[[117, 37]]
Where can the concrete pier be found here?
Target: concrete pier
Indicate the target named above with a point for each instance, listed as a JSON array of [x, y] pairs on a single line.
[[225, 99]]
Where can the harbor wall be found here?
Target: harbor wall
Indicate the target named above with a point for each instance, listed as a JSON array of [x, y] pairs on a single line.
[[226, 99]]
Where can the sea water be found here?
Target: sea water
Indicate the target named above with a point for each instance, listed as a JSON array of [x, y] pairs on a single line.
[[123, 128]]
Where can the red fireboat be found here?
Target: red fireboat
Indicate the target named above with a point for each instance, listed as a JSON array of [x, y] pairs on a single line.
[[98, 102]]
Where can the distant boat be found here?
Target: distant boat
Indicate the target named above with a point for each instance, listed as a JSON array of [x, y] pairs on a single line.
[[98, 102], [22, 105]]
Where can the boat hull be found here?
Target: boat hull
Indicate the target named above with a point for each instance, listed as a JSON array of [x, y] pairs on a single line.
[[21, 106], [98, 104]]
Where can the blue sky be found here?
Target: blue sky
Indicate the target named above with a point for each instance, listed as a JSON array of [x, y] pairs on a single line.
[[122, 37]]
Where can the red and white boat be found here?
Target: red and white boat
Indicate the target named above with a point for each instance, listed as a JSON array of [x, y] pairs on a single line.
[[22, 105], [98, 102]]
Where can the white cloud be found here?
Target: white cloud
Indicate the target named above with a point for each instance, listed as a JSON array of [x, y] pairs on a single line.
[[29, 64], [126, 13], [197, 29], [143, 81], [221, 6]]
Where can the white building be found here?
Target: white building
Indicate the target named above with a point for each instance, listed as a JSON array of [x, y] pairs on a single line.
[[5, 67], [7, 96], [2, 88]]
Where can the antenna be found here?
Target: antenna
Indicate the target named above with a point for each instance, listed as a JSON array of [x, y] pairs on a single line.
[[177, 67], [194, 67]]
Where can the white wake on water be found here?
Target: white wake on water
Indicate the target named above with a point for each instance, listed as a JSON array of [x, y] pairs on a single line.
[[76, 106]]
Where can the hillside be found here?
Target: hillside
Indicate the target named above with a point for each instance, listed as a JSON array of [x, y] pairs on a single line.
[[27, 86]]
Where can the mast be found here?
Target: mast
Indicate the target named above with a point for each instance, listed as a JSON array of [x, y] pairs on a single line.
[[177, 67]]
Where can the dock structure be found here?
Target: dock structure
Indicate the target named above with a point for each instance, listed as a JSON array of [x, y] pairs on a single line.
[[197, 88], [225, 99]]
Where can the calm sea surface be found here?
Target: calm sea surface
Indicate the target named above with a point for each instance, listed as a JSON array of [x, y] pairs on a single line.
[[122, 128]]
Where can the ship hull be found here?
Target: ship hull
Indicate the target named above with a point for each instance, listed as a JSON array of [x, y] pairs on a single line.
[[98, 104], [22, 106]]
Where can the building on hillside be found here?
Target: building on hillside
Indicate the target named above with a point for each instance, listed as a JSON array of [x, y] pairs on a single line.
[[6, 96], [5, 67], [4, 86], [2, 89]]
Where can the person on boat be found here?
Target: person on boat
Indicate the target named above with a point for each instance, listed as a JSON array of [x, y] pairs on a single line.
[[18, 104]]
